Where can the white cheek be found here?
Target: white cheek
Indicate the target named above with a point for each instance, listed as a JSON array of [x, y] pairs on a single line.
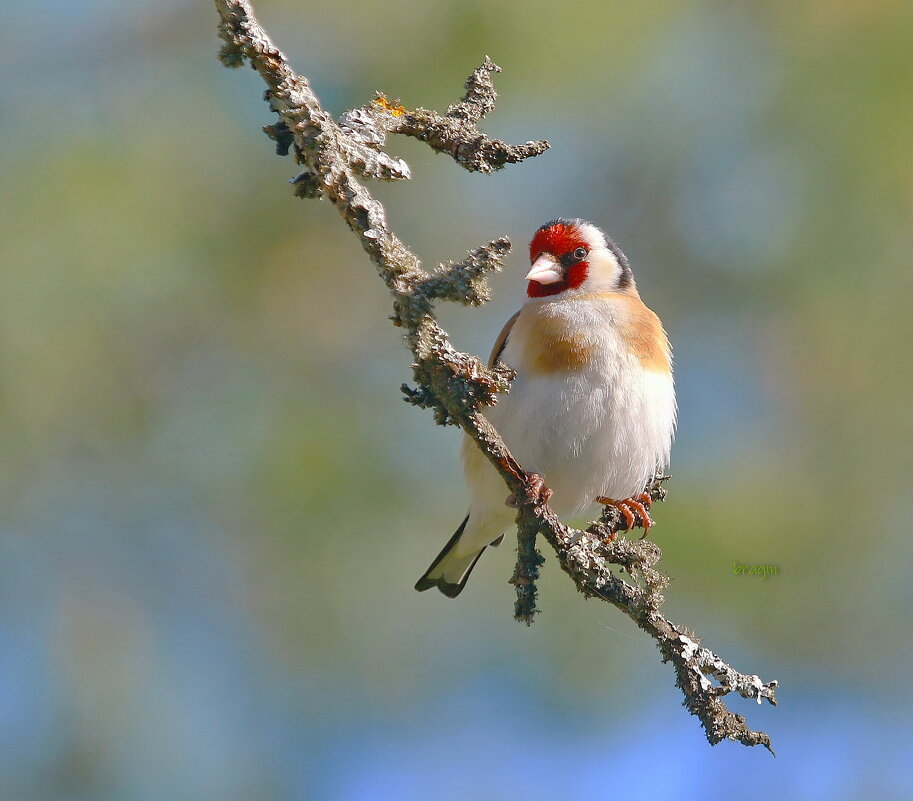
[[604, 271]]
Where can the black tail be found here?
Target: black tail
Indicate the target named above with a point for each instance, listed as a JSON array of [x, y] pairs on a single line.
[[449, 575]]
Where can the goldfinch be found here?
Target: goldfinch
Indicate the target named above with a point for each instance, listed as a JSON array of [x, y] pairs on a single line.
[[592, 409]]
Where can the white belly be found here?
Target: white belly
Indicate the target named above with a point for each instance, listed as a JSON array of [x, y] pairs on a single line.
[[602, 430], [587, 437]]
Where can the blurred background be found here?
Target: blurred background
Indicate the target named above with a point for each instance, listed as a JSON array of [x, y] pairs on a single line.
[[215, 502]]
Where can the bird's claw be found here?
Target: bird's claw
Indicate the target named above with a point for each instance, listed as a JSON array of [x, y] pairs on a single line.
[[639, 504], [534, 491]]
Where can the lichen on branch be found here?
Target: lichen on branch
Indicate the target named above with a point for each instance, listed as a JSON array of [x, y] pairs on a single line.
[[336, 156]]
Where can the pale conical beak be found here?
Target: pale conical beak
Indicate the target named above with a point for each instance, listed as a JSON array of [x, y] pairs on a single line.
[[545, 270]]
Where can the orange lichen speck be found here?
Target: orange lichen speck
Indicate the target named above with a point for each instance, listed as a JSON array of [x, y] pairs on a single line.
[[394, 108]]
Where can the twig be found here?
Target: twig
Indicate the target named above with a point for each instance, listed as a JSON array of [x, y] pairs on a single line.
[[336, 155]]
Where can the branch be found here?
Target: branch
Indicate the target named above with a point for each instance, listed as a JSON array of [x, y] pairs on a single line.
[[335, 157], [455, 132]]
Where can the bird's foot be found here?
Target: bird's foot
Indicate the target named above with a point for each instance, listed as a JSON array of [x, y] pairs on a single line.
[[534, 490], [639, 504]]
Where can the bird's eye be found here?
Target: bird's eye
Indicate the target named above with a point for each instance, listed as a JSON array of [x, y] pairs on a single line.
[[580, 254]]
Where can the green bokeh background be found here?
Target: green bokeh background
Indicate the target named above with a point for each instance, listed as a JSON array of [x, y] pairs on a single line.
[[215, 502]]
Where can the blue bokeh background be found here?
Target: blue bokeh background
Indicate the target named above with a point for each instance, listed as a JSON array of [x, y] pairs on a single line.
[[215, 503]]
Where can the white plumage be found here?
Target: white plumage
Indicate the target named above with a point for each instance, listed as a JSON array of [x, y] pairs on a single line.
[[592, 409]]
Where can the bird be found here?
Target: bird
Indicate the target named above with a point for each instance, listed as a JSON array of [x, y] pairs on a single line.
[[592, 409]]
